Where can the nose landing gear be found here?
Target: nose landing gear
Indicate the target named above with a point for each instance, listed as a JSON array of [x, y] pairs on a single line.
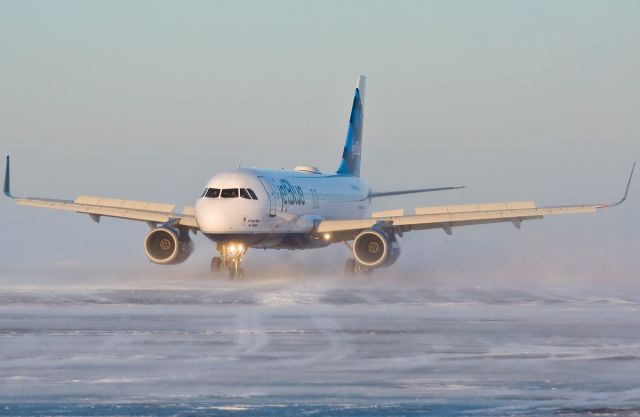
[[230, 259]]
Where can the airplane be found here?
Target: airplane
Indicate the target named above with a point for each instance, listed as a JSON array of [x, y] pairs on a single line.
[[302, 208]]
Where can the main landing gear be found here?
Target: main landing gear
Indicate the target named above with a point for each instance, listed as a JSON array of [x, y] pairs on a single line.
[[353, 267], [230, 259]]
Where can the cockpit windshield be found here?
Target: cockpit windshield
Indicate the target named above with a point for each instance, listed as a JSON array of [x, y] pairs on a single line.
[[229, 193], [212, 192], [246, 193]]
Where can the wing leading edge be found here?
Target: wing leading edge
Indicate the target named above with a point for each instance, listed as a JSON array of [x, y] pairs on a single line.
[[447, 217], [96, 207]]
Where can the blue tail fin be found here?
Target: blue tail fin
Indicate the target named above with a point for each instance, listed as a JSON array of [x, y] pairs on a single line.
[[350, 164]]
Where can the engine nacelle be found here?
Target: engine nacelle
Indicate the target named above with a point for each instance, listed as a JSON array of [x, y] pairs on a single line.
[[167, 246], [373, 249]]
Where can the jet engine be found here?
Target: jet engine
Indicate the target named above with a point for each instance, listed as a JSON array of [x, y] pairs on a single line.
[[168, 246], [374, 248]]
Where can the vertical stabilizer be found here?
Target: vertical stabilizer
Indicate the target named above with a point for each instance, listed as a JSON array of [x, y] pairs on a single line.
[[350, 164]]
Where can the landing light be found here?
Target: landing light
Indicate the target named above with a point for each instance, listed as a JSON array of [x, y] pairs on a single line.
[[233, 248], [327, 236]]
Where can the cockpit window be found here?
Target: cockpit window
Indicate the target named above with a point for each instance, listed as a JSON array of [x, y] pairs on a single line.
[[212, 192], [247, 193], [252, 194], [229, 193]]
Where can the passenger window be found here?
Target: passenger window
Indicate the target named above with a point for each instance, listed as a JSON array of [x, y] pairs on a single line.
[[212, 193], [244, 194], [252, 194], [229, 193]]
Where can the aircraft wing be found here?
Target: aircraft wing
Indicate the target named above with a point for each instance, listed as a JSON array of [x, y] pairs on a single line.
[[448, 217], [403, 192], [96, 207]]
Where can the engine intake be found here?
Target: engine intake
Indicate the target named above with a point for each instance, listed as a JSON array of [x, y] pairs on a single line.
[[373, 248], [167, 246]]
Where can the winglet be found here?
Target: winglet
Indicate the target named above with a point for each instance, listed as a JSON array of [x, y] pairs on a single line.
[[626, 191], [7, 179]]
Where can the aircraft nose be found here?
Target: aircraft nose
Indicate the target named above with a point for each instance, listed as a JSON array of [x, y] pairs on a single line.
[[209, 216], [216, 215]]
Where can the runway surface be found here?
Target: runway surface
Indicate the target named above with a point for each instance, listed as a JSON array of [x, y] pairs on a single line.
[[313, 346]]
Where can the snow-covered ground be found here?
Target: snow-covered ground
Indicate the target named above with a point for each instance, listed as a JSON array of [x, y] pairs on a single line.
[[314, 345]]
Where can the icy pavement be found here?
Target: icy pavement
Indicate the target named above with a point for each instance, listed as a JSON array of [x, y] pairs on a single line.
[[369, 346]]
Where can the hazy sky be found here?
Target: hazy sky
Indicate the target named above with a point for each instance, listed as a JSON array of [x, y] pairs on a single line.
[[146, 100]]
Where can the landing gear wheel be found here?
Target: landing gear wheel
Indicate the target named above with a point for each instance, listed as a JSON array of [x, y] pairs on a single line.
[[236, 271], [239, 274], [350, 267], [216, 264]]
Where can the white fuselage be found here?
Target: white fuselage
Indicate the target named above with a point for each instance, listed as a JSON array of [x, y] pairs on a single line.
[[288, 204]]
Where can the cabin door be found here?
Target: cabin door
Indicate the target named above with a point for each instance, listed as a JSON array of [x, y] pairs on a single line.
[[272, 194]]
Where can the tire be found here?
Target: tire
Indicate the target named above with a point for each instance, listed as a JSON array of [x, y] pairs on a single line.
[[216, 264], [238, 275], [350, 267]]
